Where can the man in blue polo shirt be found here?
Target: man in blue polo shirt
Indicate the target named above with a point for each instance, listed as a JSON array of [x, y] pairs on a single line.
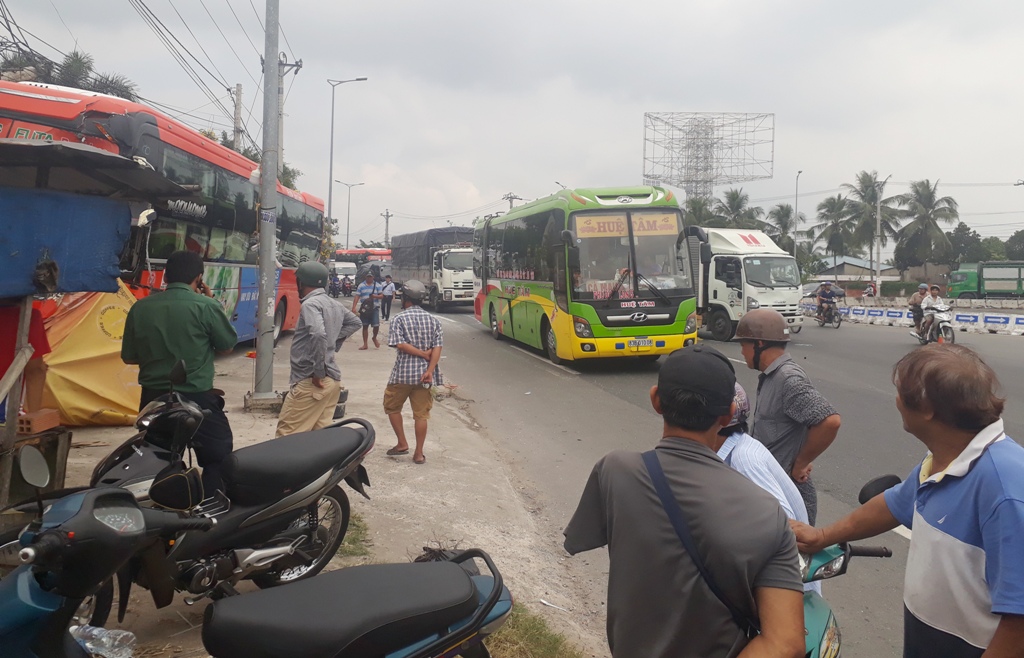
[[964, 589]]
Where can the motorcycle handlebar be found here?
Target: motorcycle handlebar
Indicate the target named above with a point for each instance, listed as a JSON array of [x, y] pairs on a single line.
[[870, 551], [46, 546]]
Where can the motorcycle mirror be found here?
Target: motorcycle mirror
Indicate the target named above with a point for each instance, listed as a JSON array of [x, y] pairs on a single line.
[[877, 486], [33, 467], [178, 373]]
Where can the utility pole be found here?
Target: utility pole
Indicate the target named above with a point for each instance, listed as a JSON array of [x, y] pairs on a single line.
[[387, 221], [264, 384], [510, 197], [284, 67], [237, 96], [796, 211]]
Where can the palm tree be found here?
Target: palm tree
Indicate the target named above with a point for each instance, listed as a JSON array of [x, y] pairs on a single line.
[[698, 212], [782, 226], [863, 202], [76, 70], [925, 209], [835, 228], [734, 207]]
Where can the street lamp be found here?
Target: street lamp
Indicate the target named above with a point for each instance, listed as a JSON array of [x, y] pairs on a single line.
[[796, 211], [348, 215], [878, 236], [330, 167]]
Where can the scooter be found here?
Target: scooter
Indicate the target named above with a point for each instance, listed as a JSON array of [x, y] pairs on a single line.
[[941, 329], [282, 517], [829, 315], [346, 287], [418, 610], [824, 639]]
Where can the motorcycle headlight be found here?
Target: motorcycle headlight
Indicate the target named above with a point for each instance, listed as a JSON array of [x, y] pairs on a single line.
[[582, 327], [752, 304], [830, 569], [691, 324]]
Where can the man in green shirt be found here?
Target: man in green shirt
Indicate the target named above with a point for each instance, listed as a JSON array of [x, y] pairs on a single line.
[[184, 322]]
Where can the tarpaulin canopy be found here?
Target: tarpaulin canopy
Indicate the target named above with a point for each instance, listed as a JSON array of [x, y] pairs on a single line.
[[87, 381], [413, 249]]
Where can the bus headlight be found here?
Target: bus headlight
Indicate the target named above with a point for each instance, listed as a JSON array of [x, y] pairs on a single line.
[[752, 304], [691, 324], [582, 327]]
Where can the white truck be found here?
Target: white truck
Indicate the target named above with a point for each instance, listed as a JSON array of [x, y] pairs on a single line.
[[441, 258], [736, 271]]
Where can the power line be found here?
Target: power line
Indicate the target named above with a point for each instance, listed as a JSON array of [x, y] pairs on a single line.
[[258, 17], [244, 31], [223, 81], [226, 41], [61, 18], [452, 215], [291, 53]]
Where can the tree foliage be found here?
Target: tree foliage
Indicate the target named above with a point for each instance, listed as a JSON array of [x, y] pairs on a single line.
[[735, 211], [76, 70], [966, 245], [289, 175], [994, 248], [372, 244], [835, 228], [863, 201], [922, 240], [1015, 246], [782, 225]]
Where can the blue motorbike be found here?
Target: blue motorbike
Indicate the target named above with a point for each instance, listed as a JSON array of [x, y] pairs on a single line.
[[435, 609]]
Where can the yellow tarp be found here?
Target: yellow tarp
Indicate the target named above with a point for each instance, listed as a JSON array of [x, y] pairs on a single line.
[[87, 381]]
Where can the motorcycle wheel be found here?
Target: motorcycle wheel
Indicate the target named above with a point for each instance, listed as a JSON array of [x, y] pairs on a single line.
[[820, 319], [837, 320], [332, 516], [948, 335]]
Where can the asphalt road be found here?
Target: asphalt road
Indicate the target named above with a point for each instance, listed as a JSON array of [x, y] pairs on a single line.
[[554, 422]]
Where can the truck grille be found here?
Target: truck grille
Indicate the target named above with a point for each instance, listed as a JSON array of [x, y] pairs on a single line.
[[787, 310], [462, 285]]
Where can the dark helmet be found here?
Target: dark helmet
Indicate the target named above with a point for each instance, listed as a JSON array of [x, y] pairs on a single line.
[[312, 274], [414, 290], [763, 324]]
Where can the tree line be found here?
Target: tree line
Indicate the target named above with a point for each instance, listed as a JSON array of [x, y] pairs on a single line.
[[845, 225]]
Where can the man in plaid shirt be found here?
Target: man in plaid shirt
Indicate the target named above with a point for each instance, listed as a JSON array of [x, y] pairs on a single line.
[[418, 337]]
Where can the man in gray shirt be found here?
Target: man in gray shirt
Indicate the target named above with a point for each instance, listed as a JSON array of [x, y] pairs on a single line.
[[793, 420], [659, 606], [315, 381]]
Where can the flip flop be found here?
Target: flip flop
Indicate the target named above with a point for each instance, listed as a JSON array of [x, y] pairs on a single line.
[[395, 452], [421, 460]]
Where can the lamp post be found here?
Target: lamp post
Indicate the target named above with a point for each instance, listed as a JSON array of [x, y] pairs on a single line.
[[348, 213], [330, 167], [796, 211], [878, 236]]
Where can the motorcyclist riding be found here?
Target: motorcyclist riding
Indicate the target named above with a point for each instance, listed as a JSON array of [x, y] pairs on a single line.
[[825, 296], [915, 305], [928, 305]]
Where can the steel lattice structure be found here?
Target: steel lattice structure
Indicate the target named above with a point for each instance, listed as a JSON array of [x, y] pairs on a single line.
[[698, 150]]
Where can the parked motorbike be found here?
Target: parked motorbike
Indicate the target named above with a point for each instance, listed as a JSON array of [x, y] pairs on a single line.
[[822, 629], [829, 315], [941, 329], [418, 610], [282, 517]]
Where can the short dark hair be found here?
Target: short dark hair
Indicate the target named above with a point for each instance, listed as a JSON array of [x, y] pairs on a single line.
[[729, 430], [958, 386], [183, 267], [686, 410], [387, 276]]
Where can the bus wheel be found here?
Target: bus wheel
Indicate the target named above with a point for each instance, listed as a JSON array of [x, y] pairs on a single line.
[[551, 344], [282, 310], [495, 329]]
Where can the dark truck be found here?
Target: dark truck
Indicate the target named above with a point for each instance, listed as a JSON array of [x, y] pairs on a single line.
[[441, 258]]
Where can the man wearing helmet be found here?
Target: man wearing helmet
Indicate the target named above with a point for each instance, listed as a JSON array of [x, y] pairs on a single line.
[[793, 420], [825, 296], [915, 305], [418, 338], [315, 380]]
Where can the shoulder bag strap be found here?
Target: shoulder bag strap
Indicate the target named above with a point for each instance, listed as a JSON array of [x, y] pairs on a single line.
[[675, 514]]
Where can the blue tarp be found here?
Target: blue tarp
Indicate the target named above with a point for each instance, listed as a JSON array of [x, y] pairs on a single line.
[[84, 235]]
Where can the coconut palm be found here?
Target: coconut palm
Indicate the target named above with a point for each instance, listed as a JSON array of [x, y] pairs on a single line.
[[783, 225], [923, 236], [863, 202], [734, 207], [835, 227], [76, 70], [698, 212]]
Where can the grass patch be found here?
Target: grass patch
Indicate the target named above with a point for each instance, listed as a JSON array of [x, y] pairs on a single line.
[[357, 539], [527, 635]]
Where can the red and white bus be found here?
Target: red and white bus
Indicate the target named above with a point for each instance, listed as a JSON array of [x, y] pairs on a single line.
[[221, 226]]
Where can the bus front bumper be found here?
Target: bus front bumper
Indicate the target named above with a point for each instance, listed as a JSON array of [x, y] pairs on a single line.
[[596, 348]]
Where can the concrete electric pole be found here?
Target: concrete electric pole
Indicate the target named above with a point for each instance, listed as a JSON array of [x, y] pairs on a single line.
[[510, 197], [387, 221], [284, 67], [237, 97]]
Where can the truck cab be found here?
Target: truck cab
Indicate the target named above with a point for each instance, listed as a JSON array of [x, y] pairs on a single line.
[[739, 270], [451, 276]]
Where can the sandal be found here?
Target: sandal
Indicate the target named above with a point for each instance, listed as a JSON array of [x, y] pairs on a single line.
[[421, 460], [395, 452]]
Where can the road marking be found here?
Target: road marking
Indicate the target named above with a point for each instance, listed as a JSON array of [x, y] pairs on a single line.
[[544, 360], [444, 319]]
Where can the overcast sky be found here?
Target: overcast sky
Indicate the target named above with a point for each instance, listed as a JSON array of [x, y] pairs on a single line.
[[468, 100]]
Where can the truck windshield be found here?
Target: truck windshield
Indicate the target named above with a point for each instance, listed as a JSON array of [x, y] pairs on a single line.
[[458, 261], [772, 271], [607, 261]]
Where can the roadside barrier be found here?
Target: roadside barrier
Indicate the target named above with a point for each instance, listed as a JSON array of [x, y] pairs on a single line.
[[972, 316]]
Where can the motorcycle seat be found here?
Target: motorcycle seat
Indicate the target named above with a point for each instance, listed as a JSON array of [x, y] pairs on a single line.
[[360, 611], [265, 472]]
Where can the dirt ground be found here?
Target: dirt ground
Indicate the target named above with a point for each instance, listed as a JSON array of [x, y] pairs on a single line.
[[464, 495]]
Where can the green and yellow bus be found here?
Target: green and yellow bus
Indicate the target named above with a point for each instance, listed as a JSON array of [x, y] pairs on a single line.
[[588, 273]]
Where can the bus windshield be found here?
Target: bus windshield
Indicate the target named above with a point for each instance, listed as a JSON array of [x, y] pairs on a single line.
[[608, 261]]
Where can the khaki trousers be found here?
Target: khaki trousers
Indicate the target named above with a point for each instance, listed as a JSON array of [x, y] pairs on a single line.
[[307, 407]]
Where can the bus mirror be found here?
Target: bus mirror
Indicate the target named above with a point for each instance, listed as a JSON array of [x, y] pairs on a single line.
[[568, 239], [705, 252]]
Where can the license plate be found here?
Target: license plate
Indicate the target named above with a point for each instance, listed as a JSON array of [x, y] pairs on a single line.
[[641, 342]]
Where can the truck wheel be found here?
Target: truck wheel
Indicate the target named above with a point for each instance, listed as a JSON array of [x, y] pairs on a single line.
[[435, 300], [967, 295], [721, 326], [495, 329]]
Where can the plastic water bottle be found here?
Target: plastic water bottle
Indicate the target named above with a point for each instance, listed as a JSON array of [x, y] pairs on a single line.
[[104, 642]]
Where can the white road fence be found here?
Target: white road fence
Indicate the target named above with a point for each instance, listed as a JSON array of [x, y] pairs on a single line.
[[996, 316]]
